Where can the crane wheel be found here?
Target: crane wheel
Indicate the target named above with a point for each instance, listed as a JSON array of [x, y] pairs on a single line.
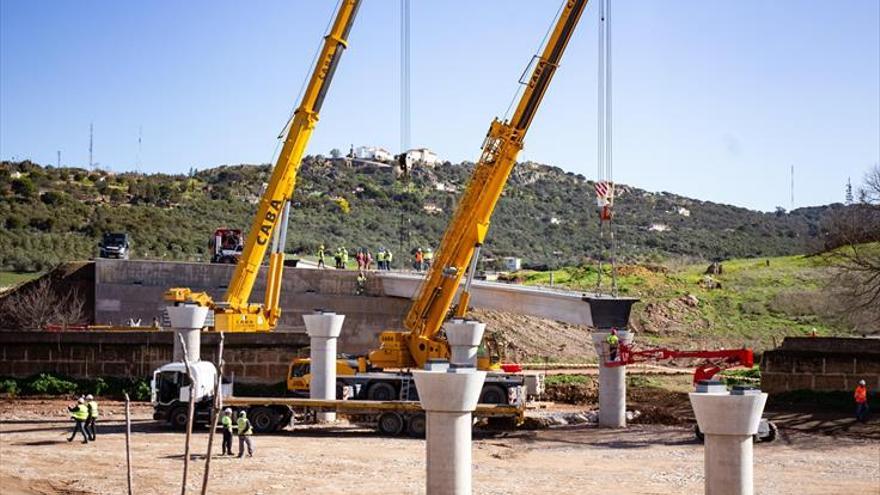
[[383, 391], [493, 394], [390, 423], [263, 419], [417, 426]]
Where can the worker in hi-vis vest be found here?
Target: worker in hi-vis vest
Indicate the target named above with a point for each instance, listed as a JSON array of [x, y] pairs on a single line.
[[245, 430], [613, 342], [80, 413], [92, 408]]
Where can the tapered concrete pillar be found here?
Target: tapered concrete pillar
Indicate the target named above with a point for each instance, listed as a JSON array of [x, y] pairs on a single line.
[[187, 321], [728, 421], [449, 395], [464, 337], [612, 382], [323, 328]]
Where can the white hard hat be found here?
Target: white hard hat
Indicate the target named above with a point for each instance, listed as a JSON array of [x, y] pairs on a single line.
[[90, 397], [228, 410], [80, 401], [861, 382]]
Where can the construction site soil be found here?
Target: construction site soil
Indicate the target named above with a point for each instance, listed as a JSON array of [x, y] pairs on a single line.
[[652, 459]]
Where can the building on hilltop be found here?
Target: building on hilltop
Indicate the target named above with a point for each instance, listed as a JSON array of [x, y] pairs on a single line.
[[376, 153], [422, 156]]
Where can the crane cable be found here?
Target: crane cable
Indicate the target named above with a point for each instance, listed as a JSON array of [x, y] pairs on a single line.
[[605, 178]]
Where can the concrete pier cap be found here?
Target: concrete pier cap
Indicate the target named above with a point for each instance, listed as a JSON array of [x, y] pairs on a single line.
[[728, 421], [608, 312], [323, 328], [187, 321], [463, 337], [323, 324]]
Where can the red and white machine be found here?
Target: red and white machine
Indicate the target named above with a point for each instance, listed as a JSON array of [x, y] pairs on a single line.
[[226, 246]]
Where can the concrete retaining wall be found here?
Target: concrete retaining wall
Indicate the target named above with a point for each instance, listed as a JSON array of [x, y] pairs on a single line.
[[254, 358], [821, 364], [134, 289]]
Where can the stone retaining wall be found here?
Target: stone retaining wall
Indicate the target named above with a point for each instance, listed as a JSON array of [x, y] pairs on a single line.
[[821, 364], [253, 358]]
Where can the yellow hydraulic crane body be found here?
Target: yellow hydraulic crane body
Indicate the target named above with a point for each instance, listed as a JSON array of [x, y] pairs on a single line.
[[470, 222], [235, 313]]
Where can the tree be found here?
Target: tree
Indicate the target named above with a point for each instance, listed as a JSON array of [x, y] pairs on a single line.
[[855, 233], [36, 305], [23, 187], [335, 153]]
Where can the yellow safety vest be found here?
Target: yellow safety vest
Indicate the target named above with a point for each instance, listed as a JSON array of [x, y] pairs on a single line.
[[81, 412], [226, 422], [244, 426], [93, 408], [612, 340]]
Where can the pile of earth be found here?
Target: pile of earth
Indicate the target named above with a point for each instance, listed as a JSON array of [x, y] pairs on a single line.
[[525, 339]]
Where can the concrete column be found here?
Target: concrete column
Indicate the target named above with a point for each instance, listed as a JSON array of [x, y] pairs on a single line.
[[728, 421], [449, 399], [464, 337], [323, 328], [449, 395], [187, 321], [612, 383]]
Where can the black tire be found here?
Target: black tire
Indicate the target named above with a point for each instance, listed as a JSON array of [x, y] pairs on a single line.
[[381, 391], [772, 434], [417, 426], [340, 391], [178, 417], [699, 434], [263, 419], [493, 394], [390, 423]]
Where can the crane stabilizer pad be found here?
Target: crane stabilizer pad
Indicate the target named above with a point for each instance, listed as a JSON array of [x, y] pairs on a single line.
[[610, 312]]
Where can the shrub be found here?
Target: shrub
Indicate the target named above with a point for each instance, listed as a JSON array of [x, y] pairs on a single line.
[[45, 384], [9, 387]]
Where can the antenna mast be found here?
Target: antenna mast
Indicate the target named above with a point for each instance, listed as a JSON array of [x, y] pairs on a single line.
[[91, 144]]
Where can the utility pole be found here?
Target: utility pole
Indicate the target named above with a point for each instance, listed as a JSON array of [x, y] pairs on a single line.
[[91, 144], [849, 193], [59, 159], [137, 165]]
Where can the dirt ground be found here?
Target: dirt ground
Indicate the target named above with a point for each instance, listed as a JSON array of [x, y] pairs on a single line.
[[643, 459]]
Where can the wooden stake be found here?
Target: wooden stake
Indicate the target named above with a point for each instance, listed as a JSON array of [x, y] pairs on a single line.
[[215, 414], [128, 443], [191, 413]]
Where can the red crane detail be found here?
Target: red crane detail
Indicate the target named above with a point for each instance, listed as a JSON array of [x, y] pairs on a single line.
[[714, 360]]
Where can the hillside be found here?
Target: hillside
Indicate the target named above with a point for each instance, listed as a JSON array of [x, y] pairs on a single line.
[[547, 216]]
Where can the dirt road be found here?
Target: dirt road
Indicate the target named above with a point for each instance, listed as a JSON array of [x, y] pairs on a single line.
[[644, 459]]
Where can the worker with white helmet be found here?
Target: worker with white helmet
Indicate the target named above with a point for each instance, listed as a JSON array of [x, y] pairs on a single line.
[[245, 430], [79, 412], [92, 408], [226, 425], [861, 398]]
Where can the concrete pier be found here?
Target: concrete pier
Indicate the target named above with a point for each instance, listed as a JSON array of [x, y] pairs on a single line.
[[323, 328], [449, 393], [612, 382], [187, 321], [728, 421]]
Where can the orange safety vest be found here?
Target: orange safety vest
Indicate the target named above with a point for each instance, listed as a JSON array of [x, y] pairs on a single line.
[[861, 394]]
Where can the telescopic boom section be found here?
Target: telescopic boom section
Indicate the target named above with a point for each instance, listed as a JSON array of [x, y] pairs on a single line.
[[470, 222], [236, 313]]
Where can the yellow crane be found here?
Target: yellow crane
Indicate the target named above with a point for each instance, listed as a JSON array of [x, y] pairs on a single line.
[[460, 245], [235, 313]]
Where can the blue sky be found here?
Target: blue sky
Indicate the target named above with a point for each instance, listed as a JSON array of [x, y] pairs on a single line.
[[714, 100]]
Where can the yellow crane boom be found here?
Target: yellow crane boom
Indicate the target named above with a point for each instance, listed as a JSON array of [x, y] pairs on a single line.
[[235, 312], [467, 230]]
